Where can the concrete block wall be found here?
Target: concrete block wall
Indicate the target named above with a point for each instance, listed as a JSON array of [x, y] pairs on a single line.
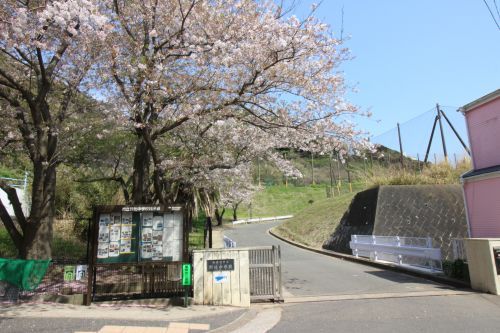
[[435, 211]]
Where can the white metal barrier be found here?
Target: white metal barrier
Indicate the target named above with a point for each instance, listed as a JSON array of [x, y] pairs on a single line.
[[263, 219], [409, 251], [459, 249], [229, 243]]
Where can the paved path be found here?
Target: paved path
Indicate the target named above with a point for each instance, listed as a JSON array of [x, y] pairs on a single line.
[[64, 318], [349, 297], [309, 273]]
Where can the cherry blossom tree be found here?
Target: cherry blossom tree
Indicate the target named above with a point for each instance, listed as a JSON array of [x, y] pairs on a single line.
[[46, 50], [195, 63]]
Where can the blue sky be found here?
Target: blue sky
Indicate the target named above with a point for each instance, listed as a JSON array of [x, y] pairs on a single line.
[[409, 55]]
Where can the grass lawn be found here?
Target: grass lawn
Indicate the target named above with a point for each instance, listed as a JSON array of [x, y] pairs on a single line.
[[280, 200], [315, 215], [313, 225]]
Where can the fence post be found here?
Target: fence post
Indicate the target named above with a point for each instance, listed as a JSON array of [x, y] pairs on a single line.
[[401, 158], [442, 133], [429, 242], [312, 169]]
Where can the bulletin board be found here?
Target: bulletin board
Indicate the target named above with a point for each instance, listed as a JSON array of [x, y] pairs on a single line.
[[132, 234]]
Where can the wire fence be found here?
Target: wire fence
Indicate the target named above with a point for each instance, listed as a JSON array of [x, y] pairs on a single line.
[[422, 137], [425, 140]]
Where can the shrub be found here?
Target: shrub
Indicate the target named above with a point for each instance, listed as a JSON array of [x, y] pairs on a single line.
[[457, 269]]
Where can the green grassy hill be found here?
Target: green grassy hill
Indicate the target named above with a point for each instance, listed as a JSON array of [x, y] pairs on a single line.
[[314, 224]]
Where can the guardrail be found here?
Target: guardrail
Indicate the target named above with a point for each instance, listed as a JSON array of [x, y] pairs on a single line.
[[406, 251], [459, 249], [263, 219], [229, 243]]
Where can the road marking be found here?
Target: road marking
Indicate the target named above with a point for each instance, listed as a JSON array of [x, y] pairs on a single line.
[[263, 322], [171, 328], [326, 298]]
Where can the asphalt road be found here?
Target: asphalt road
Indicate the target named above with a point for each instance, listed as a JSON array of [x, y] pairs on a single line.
[[457, 314], [309, 273]]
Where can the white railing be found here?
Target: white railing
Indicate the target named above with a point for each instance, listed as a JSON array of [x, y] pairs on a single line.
[[263, 219], [229, 243], [21, 187], [459, 249], [406, 251]]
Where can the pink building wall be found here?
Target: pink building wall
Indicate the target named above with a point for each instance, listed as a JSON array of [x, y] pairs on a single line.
[[483, 125], [483, 207]]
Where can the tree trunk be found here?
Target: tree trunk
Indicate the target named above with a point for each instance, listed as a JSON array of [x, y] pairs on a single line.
[[141, 177], [32, 236], [235, 216], [37, 241], [219, 215]]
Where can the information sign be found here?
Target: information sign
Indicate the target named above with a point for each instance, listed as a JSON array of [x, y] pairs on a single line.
[[220, 265], [186, 275], [69, 273]]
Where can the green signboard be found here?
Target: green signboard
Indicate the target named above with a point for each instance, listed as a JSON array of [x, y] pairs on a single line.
[[69, 273], [186, 275]]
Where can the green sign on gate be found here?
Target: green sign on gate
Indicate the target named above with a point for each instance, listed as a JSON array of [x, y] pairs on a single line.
[[186, 275], [69, 273]]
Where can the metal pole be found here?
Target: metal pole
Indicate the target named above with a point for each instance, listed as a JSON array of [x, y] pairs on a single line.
[[312, 168], [442, 133], [209, 223], [258, 169], [338, 168], [286, 177], [456, 133], [348, 172], [401, 148], [332, 175], [430, 141]]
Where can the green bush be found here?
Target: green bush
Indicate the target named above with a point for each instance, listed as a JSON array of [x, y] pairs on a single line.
[[7, 248], [457, 269], [62, 247]]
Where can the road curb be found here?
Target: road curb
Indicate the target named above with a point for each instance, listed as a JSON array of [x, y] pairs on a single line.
[[440, 279]]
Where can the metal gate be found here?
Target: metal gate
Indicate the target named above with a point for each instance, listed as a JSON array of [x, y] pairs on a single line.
[[137, 280], [265, 274]]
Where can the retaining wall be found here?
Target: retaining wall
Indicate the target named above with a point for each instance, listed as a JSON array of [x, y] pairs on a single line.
[[435, 211]]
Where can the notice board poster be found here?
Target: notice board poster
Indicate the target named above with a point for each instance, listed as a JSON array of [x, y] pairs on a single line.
[[132, 236]]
